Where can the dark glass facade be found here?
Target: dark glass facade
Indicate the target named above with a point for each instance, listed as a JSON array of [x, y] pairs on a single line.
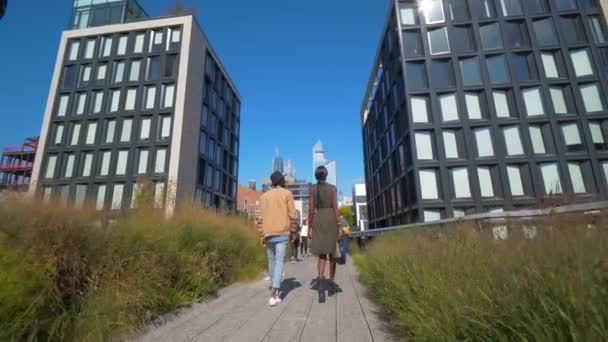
[[486, 105], [90, 13]]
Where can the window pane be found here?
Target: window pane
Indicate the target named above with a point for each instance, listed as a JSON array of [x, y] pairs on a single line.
[[122, 45], [419, 109], [551, 179], [70, 76], [101, 72], [121, 163], [537, 6], [144, 133], [153, 69], [549, 65], [117, 196], [51, 165], [170, 66], [572, 29], [515, 183], [105, 163], [142, 167], [85, 75], [449, 108], [412, 43], [459, 10], [490, 37], [168, 93], [62, 108], [150, 97], [98, 102], [571, 134], [533, 101], [511, 7], [545, 33], [576, 176], [449, 142], [69, 166], [523, 67], [75, 134], [443, 73], [559, 102], [73, 53], [473, 106], [91, 132], [538, 143], [596, 133], [501, 104], [462, 39], [139, 43], [59, 134], [438, 41], [516, 34], [119, 71], [88, 164], [159, 194], [486, 9], [416, 76], [134, 73], [484, 142], [101, 197], [564, 5], [597, 29], [581, 63], [485, 182], [106, 46], [90, 49], [591, 98], [115, 101], [497, 68], [125, 135], [81, 102], [513, 141], [110, 129], [166, 127], [428, 184], [460, 178], [159, 164], [130, 101], [432, 215], [424, 146], [408, 12], [433, 11], [469, 67]]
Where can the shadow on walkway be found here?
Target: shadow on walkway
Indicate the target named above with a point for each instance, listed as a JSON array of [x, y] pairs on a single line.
[[289, 285]]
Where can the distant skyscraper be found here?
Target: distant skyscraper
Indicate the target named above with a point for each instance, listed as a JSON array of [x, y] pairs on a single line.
[[277, 163], [289, 170], [318, 159]]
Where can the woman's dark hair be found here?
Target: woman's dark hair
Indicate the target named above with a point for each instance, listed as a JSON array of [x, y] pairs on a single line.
[[277, 179], [321, 173]]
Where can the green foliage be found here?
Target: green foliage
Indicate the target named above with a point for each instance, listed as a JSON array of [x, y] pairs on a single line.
[[458, 283], [347, 213], [67, 275]]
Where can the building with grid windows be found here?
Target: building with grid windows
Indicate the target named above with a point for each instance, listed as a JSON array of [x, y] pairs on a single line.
[[485, 105], [134, 103]]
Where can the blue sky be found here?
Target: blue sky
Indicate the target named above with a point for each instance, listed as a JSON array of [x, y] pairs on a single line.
[[301, 69]]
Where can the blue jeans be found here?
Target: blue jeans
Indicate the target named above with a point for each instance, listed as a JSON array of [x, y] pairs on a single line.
[[276, 259], [344, 248]]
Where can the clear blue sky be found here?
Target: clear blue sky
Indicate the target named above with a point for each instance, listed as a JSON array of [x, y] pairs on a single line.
[[301, 68]]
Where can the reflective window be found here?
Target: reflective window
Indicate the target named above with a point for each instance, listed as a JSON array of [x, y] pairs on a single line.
[[501, 103], [497, 68], [139, 43], [62, 107], [142, 166], [438, 41], [125, 134], [433, 11], [490, 37], [75, 134], [591, 98], [408, 13], [511, 7], [533, 101], [576, 176], [419, 109], [117, 196], [80, 196], [85, 75], [89, 49], [485, 182], [565, 5], [459, 10], [70, 76], [105, 163], [160, 161], [473, 106], [484, 142], [460, 178], [516, 34], [572, 29], [174, 37], [524, 67], [442, 73], [428, 184], [449, 107], [168, 95], [91, 133], [51, 165], [144, 133], [538, 142], [432, 215], [416, 75], [150, 97], [515, 183], [469, 68], [545, 32], [81, 101], [131, 97], [58, 134], [97, 102], [73, 51], [115, 100], [462, 39], [110, 130], [537, 6], [87, 165], [572, 137], [558, 100], [551, 178], [581, 62], [156, 40], [424, 146], [450, 144], [101, 197], [485, 8], [549, 65], [597, 135], [513, 141], [69, 165], [597, 29], [106, 46], [170, 66], [134, 72], [153, 69], [122, 45], [412, 43], [121, 163], [165, 127]]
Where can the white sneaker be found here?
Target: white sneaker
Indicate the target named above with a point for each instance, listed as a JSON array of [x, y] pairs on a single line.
[[274, 301], [267, 278]]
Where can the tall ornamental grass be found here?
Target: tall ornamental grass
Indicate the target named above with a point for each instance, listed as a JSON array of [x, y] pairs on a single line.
[[468, 283], [70, 275]]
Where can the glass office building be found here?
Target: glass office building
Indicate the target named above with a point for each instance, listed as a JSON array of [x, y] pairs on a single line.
[[485, 105], [139, 103]]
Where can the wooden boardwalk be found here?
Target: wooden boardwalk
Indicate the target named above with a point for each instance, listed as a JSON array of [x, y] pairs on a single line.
[[241, 313]]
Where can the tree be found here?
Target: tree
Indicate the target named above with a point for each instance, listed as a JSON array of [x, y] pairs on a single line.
[[178, 9], [347, 213]]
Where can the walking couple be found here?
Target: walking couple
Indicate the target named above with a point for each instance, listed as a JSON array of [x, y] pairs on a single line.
[[278, 226]]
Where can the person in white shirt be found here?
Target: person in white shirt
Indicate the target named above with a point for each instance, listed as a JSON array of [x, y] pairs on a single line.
[[304, 238]]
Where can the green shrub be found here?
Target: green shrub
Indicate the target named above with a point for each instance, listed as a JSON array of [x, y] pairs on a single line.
[[71, 275], [459, 283]]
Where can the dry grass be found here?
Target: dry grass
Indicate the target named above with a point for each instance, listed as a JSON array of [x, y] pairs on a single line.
[[68, 275], [459, 283]]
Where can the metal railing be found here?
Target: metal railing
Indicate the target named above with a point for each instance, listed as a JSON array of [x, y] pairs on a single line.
[[498, 217]]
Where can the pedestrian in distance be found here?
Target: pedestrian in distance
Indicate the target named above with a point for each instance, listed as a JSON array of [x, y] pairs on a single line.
[[304, 238], [277, 226], [344, 240], [295, 244], [325, 221]]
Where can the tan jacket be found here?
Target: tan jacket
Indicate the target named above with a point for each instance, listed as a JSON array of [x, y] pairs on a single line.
[[277, 213]]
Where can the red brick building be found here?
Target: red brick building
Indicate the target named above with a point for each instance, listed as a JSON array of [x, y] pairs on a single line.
[[248, 200]]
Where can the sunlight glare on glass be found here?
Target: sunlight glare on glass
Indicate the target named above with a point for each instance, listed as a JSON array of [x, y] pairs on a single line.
[[425, 6]]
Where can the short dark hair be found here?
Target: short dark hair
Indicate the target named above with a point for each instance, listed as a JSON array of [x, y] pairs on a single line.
[[321, 173], [277, 179]]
